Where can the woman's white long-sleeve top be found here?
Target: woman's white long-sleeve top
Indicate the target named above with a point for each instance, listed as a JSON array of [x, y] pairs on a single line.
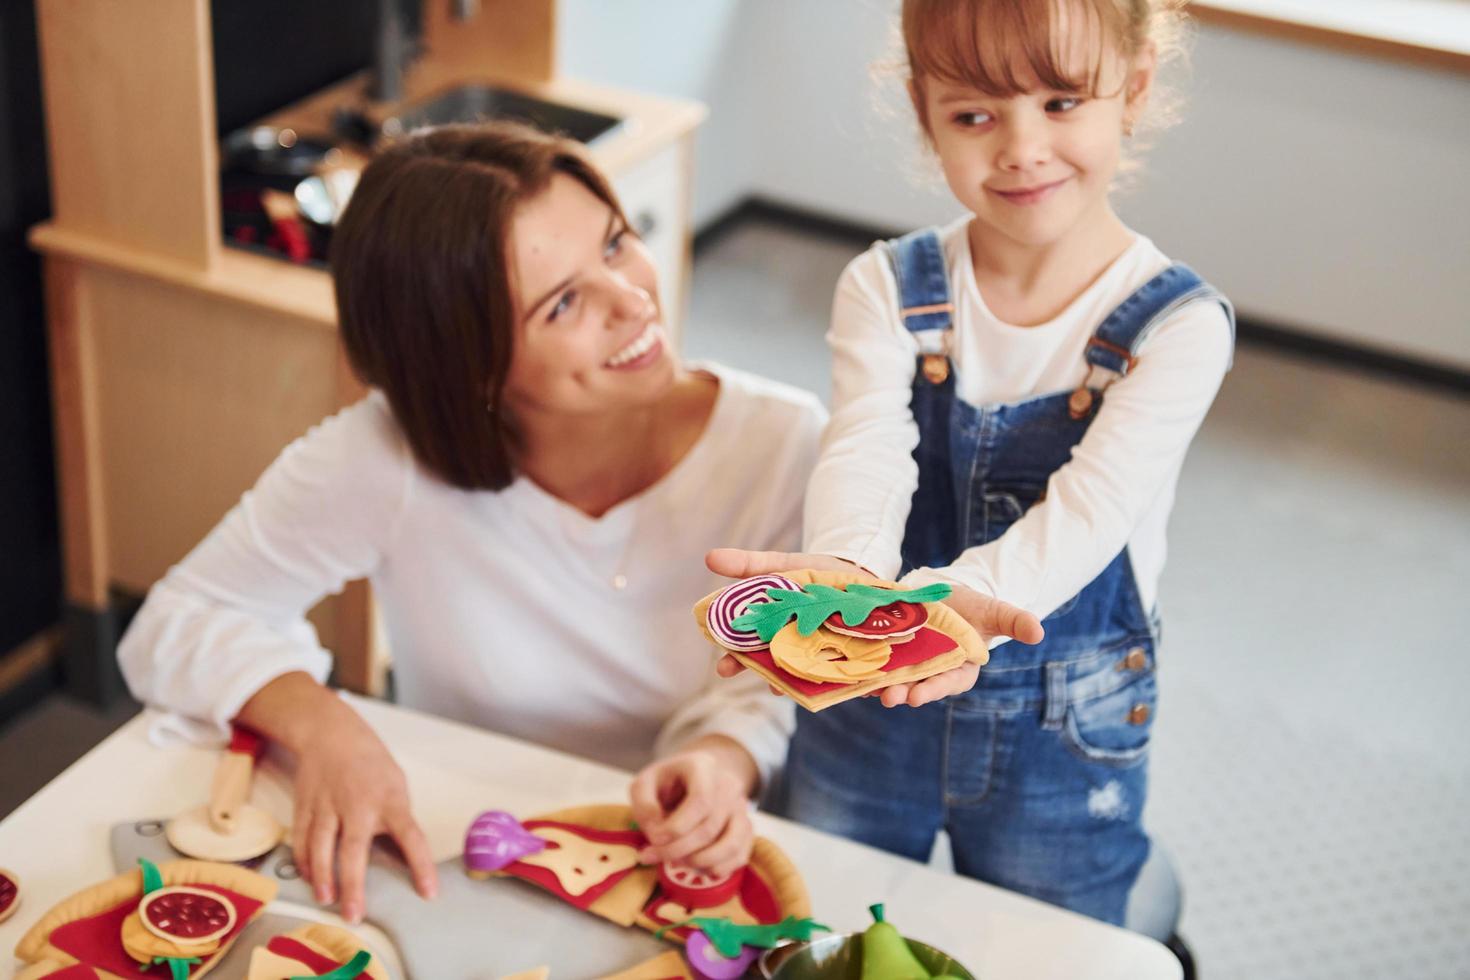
[[500, 607]]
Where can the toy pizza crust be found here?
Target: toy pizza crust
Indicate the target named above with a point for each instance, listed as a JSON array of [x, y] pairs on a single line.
[[52, 970], [769, 889], [831, 666], [309, 951], [91, 926], [667, 966]]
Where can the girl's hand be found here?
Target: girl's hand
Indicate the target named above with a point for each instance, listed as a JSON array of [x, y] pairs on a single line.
[[348, 790], [694, 806], [989, 616]]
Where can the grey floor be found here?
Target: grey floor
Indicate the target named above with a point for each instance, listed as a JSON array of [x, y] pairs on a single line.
[[1308, 773]]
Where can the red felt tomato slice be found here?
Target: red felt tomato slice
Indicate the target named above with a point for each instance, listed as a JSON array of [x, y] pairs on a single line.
[[694, 889], [894, 619]]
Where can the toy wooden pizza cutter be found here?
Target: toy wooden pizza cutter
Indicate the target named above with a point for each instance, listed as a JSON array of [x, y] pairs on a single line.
[[228, 828]]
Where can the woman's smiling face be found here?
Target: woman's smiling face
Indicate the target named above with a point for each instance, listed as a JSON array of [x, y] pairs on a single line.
[[589, 333]]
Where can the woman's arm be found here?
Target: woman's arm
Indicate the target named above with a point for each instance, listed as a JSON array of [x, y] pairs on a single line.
[[225, 636], [347, 786], [231, 616]]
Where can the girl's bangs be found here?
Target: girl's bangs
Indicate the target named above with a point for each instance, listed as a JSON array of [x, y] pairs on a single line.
[[999, 46]]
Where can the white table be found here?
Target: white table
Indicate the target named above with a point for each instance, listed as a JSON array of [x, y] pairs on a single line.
[[57, 843]]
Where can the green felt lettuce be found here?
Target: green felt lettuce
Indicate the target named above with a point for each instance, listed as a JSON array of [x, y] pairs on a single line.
[[814, 603], [347, 971], [152, 880], [727, 937]]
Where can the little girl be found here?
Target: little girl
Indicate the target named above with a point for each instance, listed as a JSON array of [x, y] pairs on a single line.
[[1013, 396]]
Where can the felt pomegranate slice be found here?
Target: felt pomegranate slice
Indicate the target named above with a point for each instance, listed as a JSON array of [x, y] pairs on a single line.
[[9, 893], [187, 916], [695, 889], [894, 619]]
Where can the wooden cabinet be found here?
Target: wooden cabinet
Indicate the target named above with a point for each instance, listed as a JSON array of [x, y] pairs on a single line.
[[182, 367]]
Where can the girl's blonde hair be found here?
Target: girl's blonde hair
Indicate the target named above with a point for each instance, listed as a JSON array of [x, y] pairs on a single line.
[[983, 43]]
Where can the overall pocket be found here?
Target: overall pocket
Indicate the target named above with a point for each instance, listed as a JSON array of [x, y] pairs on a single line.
[[1113, 728]]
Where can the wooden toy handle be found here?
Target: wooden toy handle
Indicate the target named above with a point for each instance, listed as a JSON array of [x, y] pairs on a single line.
[[232, 778]]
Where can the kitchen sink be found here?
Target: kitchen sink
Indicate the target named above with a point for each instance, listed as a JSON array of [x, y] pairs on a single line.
[[482, 103]]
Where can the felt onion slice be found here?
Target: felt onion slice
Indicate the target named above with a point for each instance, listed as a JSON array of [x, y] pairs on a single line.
[[732, 603], [9, 894], [709, 963], [496, 839]]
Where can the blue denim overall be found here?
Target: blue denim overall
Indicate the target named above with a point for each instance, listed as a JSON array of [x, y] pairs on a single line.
[[1039, 773]]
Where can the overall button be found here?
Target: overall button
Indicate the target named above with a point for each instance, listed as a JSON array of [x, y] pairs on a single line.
[[1079, 403], [936, 368], [1136, 659], [1138, 714]]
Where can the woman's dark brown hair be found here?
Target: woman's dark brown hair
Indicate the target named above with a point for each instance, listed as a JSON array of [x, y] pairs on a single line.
[[420, 264]]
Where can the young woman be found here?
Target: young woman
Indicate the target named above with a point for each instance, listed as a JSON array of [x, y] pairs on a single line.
[[530, 487]]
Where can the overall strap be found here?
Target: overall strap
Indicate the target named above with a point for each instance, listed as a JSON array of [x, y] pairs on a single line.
[[1114, 345], [924, 303], [923, 283]]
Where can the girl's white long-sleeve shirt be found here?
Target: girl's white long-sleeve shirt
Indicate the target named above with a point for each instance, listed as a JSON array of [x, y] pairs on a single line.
[[1116, 490], [499, 607]]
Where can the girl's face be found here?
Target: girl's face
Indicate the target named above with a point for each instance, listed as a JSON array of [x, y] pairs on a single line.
[[1036, 167], [589, 338]]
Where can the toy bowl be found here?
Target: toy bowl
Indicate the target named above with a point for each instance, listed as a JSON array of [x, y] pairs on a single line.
[[840, 957]]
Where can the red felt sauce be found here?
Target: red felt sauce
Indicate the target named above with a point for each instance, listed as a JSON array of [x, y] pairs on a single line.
[[755, 895], [303, 954], [546, 878]]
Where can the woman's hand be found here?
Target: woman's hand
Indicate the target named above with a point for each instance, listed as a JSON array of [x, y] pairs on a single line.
[[989, 616], [348, 790], [694, 806]]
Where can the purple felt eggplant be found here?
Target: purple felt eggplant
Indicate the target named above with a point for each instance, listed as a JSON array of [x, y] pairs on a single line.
[[497, 839]]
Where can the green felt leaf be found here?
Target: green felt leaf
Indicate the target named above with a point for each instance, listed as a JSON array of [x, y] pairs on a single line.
[[347, 971], [152, 880], [178, 967], [814, 603], [727, 937]]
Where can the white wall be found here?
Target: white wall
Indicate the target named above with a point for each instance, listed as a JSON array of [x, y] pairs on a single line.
[[1323, 191]]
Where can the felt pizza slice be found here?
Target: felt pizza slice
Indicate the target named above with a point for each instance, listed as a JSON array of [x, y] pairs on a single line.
[[764, 892], [314, 951], [825, 637], [182, 914], [588, 856]]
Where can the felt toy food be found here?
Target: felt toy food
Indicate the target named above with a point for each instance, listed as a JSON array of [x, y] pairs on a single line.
[[314, 951], [839, 635], [52, 970], [185, 914], [697, 889], [668, 966], [590, 860], [735, 601], [9, 894]]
